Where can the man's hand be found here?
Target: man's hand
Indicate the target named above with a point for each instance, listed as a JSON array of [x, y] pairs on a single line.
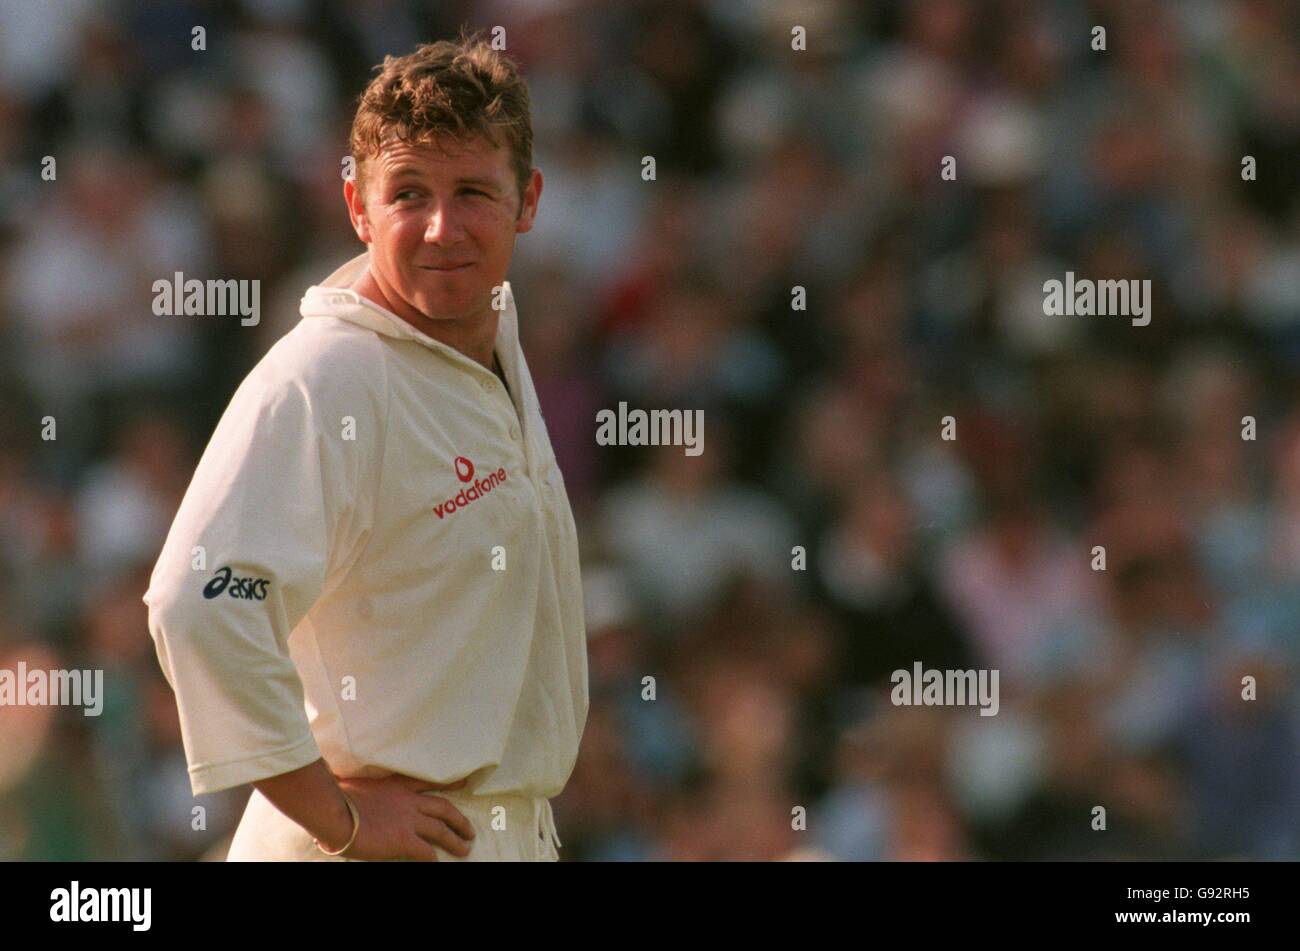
[[400, 821]]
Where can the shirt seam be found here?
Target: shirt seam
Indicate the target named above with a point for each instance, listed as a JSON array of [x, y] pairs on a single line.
[[380, 456], [370, 537], [208, 767], [329, 686]]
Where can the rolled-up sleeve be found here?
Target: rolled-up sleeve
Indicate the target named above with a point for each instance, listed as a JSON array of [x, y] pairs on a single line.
[[248, 554]]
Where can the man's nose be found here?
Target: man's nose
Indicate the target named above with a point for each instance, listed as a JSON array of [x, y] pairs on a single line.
[[443, 228]]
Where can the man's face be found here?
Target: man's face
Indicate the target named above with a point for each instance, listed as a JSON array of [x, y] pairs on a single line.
[[441, 221]]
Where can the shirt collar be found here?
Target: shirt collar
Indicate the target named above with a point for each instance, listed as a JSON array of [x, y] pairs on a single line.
[[332, 297]]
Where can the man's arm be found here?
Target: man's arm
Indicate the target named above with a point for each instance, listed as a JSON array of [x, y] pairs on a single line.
[[246, 557], [269, 510], [398, 821], [311, 797]]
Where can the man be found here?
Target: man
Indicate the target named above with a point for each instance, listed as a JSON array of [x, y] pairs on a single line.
[[369, 604]]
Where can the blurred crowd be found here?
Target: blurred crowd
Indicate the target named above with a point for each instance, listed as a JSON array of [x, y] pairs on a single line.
[[746, 607]]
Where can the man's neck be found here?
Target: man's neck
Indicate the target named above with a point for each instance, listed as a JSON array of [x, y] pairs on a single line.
[[475, 338]]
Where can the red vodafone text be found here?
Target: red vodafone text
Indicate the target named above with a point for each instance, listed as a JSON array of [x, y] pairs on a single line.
[[470, 493]]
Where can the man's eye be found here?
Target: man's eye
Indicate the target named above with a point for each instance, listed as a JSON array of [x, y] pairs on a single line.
[[405, 191], [475, 191]]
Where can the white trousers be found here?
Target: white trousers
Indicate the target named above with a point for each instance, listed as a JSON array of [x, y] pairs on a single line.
[[507, 829]]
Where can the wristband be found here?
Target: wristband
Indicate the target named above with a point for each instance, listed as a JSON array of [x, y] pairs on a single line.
[[356, 826]]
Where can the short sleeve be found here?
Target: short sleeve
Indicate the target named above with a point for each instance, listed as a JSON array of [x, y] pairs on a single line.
[[268, 515]]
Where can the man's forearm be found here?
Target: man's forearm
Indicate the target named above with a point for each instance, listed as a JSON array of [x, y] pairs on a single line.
[[311, 797]]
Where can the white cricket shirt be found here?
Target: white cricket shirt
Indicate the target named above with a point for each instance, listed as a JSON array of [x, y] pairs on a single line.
[[376, 562]]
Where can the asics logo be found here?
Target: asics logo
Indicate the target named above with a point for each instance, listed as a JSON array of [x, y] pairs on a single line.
[[250, 589]]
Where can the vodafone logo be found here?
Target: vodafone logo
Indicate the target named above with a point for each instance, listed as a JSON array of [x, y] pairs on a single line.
[[473, 491]]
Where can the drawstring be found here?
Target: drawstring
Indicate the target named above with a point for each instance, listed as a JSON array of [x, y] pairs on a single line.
[[544, 822]]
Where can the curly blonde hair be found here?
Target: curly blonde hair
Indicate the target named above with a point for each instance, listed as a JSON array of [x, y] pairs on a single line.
[[462, 89]]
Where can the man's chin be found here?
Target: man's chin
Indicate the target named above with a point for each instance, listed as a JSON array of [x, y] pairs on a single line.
[[459, 306]]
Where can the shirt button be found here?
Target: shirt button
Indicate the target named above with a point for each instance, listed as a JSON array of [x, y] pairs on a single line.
[[487, 385]]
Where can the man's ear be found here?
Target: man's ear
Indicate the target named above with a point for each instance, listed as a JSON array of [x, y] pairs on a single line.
[[357, 210], [528, 204]]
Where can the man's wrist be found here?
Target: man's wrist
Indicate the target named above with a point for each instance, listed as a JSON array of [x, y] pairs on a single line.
[[342, 825], [314, 798]]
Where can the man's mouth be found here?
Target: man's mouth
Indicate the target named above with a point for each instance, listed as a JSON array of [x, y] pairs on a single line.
[[446, 267]]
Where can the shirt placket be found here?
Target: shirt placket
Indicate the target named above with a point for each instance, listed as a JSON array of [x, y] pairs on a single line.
[[494, 391]]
